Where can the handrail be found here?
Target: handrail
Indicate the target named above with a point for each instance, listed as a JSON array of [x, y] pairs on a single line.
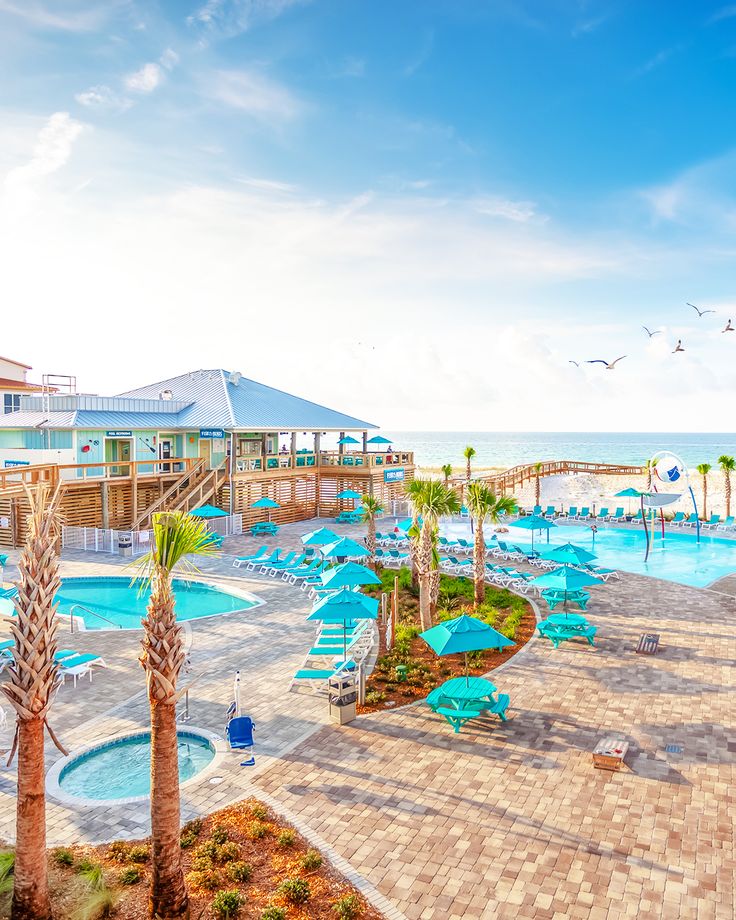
[[168, 493], [93, 612], [528, 471]]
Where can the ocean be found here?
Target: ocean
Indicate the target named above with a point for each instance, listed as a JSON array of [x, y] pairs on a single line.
[[507, 448]]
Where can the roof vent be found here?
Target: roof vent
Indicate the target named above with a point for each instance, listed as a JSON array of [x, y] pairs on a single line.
[[234, 378], [165, 394]]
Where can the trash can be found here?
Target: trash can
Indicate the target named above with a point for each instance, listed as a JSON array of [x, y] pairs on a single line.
[[125, 544], [343, 694]]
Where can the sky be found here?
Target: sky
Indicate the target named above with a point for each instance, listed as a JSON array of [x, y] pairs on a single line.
[[419, 213]]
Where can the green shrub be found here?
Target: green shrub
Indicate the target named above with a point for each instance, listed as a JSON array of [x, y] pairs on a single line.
[[202, 864], [239, 871], [257, 829], [373, 697], [219, 835], [84, 865], [312, 859], [63, 857], [295, 890], [226, 904], [209, 879], [228, 852], [97, 904], [286, 838], [259, 811], [347, 907], [130, 876], [274, 913], [208, 848], [119, 851], [139, 854], [7, 869], [190, 832]]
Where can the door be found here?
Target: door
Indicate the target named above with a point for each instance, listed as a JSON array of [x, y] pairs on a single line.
[[119, 451], [165, 452]]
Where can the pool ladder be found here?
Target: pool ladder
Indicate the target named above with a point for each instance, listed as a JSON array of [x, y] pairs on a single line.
[[87, 610]]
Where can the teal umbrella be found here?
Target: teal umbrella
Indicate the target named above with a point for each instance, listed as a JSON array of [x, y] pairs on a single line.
[[266, 502], [462, 635], [534, 522], [566, 578], [320, 537], [406, 524], [349, 575], [349, 493], [345, 548], [569, 553], [348, 440], [342, 608], [379, 439], [208, 511]]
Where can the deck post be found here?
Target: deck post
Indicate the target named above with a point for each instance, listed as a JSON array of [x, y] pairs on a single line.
[[134, 490], [317, 447], [104, 497]]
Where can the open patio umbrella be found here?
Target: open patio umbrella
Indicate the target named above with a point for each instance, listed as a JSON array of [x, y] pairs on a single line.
[[534, 522], [349, 493], [406, 524], [208, 511], [344, 548], [348, 440], [570, 554], [320, 537], [349, 575], [462, 635], [342, 608], [266, 502], [566, 578], [629, 493], [379, 439]]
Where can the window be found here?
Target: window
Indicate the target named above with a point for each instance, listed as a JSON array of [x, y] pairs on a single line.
[[11, 402]]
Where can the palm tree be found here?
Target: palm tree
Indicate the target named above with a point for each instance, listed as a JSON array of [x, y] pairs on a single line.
[[537, 484], [176, 535], [432, 500], [468, 453], [483, 504], [34, 679], [649, 467], [413, 488], [446, 470], [371, 509], [704, 469], [728, 465]]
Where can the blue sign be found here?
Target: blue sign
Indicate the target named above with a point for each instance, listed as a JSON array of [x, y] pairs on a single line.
[[214, 433], [394, 475], [9, 463], [119, 434]]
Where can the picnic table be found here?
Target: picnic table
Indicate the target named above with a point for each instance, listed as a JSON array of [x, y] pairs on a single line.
[[463, 698], [349, 517], [264, 527], [559, 627], [556, 596]]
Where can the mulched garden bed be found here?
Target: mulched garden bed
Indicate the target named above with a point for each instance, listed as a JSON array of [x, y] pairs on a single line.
[[505, 611], [244, 848]]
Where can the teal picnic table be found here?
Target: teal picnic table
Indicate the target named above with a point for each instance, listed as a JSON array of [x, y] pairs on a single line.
[[463, 698], [556, 596], [559, 627]]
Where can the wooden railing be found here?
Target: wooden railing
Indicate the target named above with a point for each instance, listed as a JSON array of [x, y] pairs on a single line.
[[526, 472], [174, 490], [259, 463], [371, 458]]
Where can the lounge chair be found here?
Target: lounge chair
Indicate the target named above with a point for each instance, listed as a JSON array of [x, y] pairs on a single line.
[[76, 666], [537, 510], [8, 593], [691, 521], [714, 521], [603, 514], [286, 563], [262, 561], [600, 571], [448, 545], [618, 515], [572, 512], [678, 519], [289, 557], [242, 560], [727, 524], [239, 733], [317, 678], [584, 514], [637, 517], [550, 512]]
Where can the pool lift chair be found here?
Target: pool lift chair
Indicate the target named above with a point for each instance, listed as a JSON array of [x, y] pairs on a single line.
[[239, 729]]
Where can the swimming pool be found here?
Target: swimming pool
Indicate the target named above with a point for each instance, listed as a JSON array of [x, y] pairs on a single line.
[[676, 558], [96, 774], [118, 603]]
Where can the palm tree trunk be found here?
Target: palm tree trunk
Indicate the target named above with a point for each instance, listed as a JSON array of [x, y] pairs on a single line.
[[705, 497], [727, 476], [479, 563], [424, 565], [370, 542], [30, 889], [434, 593]]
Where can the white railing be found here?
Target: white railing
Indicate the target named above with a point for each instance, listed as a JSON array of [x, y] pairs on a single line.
[[97, 540], [226, 526]]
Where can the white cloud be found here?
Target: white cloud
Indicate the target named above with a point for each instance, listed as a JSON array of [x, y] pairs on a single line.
[[169, 59], [144, 80], [231, 17], [103, 98], [254, 94], [517, 211], [51, 152], [88, 18]]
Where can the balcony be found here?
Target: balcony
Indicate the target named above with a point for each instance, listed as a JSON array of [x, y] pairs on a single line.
[[303, 460]]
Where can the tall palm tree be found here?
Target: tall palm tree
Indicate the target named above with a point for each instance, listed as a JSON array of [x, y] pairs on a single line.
[[704, 469], [371, 509], [537, 484], [649, 467], [446, 470], [483, 504], [176, 536], [410, 490], [468, 453], [34, 679], [728, 465], [432, 500]]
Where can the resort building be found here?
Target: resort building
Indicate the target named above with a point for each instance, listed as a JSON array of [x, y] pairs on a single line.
[[205, 436], [13, 385]]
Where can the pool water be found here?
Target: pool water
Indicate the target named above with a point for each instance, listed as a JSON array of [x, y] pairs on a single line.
[[120, 603], [676, 558], [121, 769]]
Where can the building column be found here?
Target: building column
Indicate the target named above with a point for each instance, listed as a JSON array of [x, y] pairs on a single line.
[[293, 450], [104, 500], [317, 447], [341, 447]]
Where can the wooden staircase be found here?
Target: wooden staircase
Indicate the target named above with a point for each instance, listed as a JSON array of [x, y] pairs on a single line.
[[192, 489]]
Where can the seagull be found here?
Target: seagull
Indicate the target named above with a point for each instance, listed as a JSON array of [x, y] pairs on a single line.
[[678, 347], [728, 327], [609, 366], [577, 363], [652, 334], [699, 312]]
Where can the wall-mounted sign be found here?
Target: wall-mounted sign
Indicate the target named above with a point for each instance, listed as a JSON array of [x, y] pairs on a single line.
[[214, 433], [119, 434], [394, 475], [9, 463]]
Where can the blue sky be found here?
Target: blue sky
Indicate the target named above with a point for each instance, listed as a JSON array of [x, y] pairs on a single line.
[[417, 212]]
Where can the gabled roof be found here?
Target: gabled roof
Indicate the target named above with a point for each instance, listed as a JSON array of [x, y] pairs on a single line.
[[16, 363], [221, 399], [7, 384]]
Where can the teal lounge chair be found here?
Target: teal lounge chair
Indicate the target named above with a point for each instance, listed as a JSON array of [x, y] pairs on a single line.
[[537, 510], [691, 521], [713, 522], [76, 666], [550, 512], [572, 511], [603, 514], [637, 517], [727, 524], [242, 560], [678, 518], [259, 560], [618, 515], [584, 514]]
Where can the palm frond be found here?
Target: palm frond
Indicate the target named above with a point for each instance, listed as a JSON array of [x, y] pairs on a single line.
[[176, 536]]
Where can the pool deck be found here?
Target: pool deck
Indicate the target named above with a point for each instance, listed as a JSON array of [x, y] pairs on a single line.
[[499, 821]]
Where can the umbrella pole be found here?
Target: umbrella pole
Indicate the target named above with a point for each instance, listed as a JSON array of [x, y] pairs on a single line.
[[467, 676]]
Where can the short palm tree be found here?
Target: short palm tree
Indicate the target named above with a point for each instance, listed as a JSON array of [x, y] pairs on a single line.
[[468, 453], [649, 467], [176, 536], [431, 500], [537, 484], [484, 505], [371, 509], [446, 470], [410, 490], [34, 679], [728, 465], [704, 469]]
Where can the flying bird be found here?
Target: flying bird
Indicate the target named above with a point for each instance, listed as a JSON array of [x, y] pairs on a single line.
[[609, 365], [577, 363], [650, 333], [678, 347], [728, 327], [699, 312]]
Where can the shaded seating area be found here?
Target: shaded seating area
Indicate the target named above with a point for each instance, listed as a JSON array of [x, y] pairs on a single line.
[[464, 698], [556, 596], [563, 627], [264, 527]]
